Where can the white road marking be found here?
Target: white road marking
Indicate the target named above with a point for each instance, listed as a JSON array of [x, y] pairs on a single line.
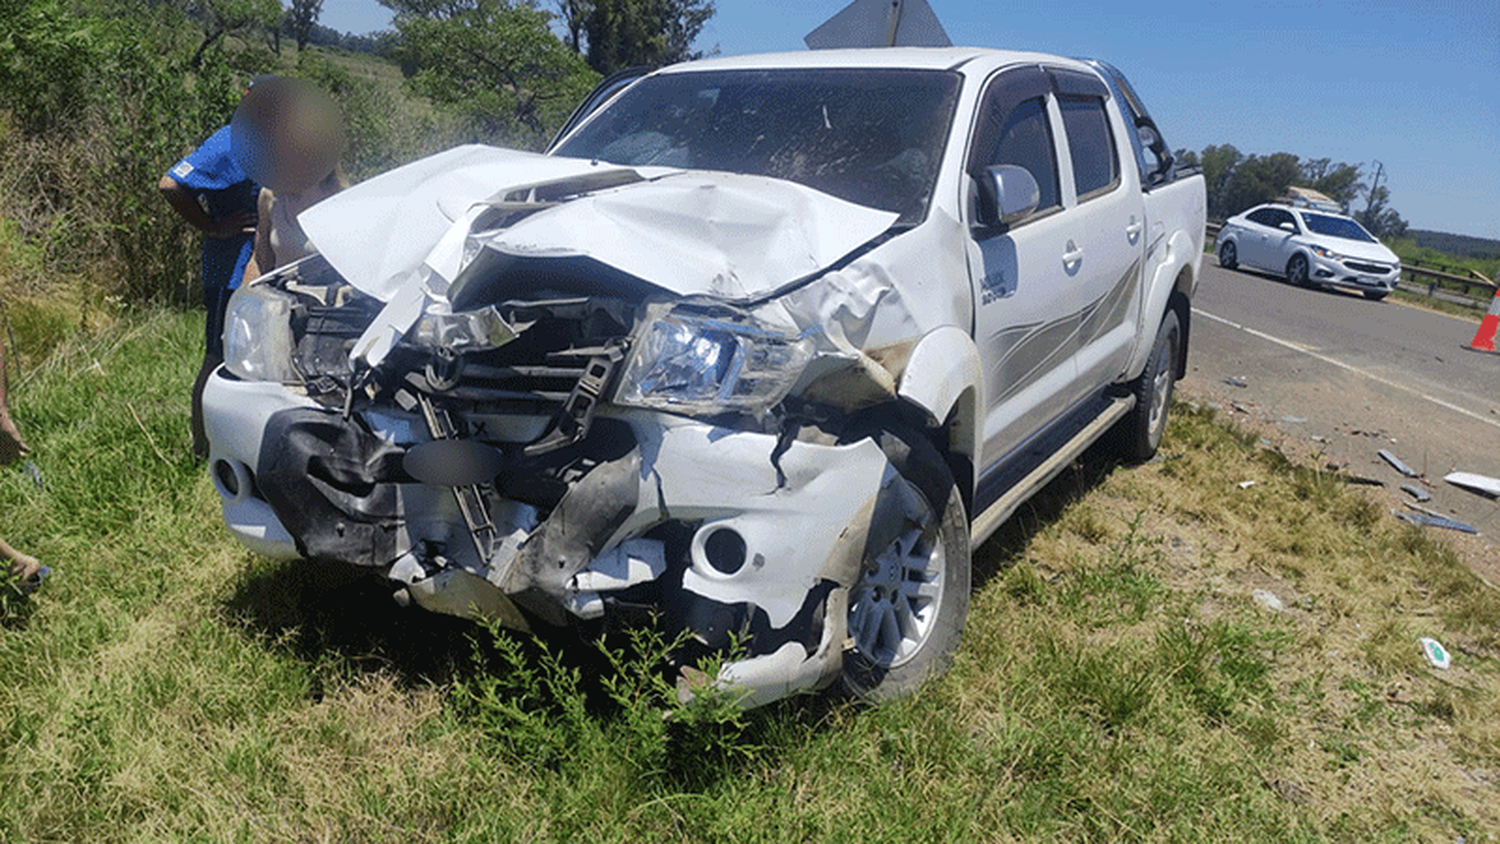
[[1354, 369]]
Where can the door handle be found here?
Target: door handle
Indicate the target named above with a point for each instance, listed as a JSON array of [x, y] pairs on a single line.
[[1073, 257], [1133, 230]]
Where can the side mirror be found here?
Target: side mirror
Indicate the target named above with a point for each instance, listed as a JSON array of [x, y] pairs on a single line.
[[1287, 225], [1007, 193], [1149, 137]]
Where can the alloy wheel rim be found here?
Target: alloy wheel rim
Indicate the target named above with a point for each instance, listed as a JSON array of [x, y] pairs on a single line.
[[1161, 385], [893, 608]]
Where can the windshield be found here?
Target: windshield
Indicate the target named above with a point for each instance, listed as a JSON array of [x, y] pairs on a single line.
[[1337, 227], [872, 137]]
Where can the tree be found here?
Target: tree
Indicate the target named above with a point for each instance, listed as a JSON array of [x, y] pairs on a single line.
[[1219, 163], [1381, 220], [495, 61], [302, 17], [1260, 179], [1339, 182], [616, 34], [223, 17]]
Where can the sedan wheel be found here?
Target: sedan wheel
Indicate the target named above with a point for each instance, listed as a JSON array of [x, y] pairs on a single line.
[[1296, 270], [1228, 258]]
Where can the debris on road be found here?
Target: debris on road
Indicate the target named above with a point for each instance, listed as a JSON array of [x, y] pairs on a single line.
[[1481, 484], [1435, 652], [1397, 464], [1236, 382], [1268, 600], [1416, 492], [1424, 519], [1294, 420]]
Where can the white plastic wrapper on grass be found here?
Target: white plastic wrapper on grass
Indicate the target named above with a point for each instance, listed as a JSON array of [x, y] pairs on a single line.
[[1436, 654]]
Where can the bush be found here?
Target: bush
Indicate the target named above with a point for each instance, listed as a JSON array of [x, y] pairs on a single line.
[[98, 110]]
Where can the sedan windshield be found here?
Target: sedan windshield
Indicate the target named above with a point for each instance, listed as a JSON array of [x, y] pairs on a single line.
[[1342, 227], [872, 137]]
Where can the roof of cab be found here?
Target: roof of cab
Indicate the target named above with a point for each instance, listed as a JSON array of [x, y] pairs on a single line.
[[909, 58]]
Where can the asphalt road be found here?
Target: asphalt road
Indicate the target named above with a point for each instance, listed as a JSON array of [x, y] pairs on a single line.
[[1350, 377]]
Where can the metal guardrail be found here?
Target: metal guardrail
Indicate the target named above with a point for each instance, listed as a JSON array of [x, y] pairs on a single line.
[[1409, 273]]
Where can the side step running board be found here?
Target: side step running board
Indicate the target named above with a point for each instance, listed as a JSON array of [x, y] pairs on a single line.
[[986, 523]]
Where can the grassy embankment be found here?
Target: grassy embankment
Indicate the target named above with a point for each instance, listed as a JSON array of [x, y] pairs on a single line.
[[1118, 681]]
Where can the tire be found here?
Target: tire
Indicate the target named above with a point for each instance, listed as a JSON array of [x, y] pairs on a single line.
[[1296, 270], [908, 604], [1375, 295], [1228, 256], [1138, 434]]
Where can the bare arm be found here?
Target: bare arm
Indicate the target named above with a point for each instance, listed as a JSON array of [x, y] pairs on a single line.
[[186, 205], [263, 259], [12, 447]]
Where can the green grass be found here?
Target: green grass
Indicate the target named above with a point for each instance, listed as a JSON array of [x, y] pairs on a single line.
[[1116, 682]]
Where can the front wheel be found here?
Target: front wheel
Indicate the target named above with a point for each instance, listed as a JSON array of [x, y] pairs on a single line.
[[1228, 256], [1138, 434], [908, 604], [1296, 270]]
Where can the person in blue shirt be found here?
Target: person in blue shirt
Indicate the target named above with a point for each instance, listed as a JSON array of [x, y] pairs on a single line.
[[211, 192]]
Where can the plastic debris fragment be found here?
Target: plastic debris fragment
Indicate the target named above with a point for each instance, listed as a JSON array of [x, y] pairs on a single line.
[[1246, 484], [1429, 520], [1435, 652], [1396, 463], [1416, 492], [1475, 483], [1236, 382]]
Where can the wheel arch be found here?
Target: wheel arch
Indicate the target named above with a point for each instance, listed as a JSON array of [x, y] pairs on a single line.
[[943, 381], [1173, 288]]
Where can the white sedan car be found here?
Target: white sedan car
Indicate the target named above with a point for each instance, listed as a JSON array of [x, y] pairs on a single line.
[[1311, 247]]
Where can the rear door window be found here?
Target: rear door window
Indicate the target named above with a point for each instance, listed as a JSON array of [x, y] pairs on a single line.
[[1096, 164]]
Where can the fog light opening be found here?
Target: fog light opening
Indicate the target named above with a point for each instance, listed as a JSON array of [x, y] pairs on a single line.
[[229, 482], [725, 550]]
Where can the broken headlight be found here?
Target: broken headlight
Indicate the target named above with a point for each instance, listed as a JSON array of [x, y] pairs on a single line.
[[701, 364], [465, 331], [258, 341]]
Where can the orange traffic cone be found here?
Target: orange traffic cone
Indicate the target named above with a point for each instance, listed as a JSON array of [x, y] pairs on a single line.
[[1484, 338]]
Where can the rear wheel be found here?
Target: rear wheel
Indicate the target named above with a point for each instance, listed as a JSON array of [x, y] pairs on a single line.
[[909, 601], [1296, 270], [1228, 256], [1138, 434]]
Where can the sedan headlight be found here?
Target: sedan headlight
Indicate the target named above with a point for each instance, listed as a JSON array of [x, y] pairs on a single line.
[[700, 364], [258, 334], [1326, 253]]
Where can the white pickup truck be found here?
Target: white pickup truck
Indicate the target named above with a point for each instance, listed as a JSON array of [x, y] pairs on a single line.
[[759, 351]]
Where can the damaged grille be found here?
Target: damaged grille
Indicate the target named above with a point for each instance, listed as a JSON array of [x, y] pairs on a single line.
[[563, 358]]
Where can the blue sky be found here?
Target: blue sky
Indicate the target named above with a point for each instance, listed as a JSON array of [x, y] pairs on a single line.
[[1414, 84]]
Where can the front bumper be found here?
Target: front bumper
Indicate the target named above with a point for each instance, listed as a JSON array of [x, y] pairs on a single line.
[[1355, 275], [737, 538]]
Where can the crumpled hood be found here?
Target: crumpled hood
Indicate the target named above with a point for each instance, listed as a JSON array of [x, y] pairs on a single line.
[[688, 232]]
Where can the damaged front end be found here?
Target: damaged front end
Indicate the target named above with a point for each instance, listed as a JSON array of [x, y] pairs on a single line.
[[532, 433]]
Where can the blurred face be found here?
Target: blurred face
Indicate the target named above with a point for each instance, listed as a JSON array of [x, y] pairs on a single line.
[[286, 134]]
